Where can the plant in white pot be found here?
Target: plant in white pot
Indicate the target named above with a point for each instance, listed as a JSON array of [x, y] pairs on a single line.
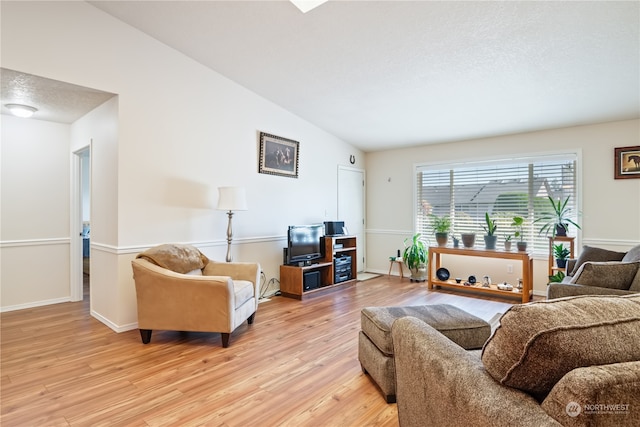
[[415, 258], [507, 242]]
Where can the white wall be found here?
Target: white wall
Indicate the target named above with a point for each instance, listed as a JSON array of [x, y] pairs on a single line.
[[182, 131], [34, 242], [610, 209]]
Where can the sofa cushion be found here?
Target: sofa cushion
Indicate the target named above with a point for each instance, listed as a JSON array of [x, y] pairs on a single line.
[[613, 274], [243, 291], [604, 395], [589, 253], [632, 255], [537, 343]]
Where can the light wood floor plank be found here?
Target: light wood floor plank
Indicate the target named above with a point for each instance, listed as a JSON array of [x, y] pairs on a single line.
[[297, 365]]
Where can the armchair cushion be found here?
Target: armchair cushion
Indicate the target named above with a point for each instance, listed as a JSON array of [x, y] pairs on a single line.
[[537, 343], [590, 253], [175, 257], [613, 275]]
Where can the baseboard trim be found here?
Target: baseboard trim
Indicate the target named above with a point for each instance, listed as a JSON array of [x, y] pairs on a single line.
[[34, 304]]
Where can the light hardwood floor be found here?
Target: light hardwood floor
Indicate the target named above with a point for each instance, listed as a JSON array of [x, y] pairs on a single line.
[[297, 365]]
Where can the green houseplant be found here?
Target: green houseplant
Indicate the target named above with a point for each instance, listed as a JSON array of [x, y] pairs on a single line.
[[415, 257], [561, 254], [507, 242], [518, 224], [441, 226], [490, 238], [557, 219]]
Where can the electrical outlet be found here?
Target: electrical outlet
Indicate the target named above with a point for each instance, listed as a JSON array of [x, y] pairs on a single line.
[[510, 268]]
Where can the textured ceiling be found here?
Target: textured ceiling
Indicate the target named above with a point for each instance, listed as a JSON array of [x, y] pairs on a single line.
[[56, 101]]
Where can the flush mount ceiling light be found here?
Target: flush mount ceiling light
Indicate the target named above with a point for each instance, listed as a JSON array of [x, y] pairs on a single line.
[[306, 5], [20, 110]]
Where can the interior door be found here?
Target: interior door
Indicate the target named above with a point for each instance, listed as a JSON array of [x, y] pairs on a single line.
[[351, 207]]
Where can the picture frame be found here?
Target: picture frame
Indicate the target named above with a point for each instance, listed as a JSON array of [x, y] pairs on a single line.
[[278, 156], [627, 162]]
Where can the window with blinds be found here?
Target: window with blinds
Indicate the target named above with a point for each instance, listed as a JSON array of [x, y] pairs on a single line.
[[504, 189]]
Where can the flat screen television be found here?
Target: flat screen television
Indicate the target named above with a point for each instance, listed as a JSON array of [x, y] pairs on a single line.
[[303, 243]]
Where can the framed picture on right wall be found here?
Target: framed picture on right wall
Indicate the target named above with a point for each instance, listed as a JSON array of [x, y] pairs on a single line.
[[627, 162]]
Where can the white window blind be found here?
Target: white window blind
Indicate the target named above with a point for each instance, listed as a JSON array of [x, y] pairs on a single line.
[[504, 189]]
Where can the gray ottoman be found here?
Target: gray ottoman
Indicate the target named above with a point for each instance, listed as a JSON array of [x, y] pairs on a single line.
[[375, 349]]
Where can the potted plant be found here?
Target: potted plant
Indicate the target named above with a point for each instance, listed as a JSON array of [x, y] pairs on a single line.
[[518, 223], [415, 257], [490, 238], [507, 243], [441, 225], [561, 254], [556, 278], [557, 220]]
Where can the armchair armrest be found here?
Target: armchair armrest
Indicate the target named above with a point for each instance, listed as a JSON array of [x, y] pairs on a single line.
[[249, 271]]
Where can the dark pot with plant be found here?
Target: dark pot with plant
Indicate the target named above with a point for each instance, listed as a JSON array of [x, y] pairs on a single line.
[[441, 225], [415, 258], [561, 254], [490, 238], [518, 224], [557, 219]]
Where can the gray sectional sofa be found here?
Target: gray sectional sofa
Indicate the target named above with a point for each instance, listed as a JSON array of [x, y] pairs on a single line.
[[565, 362], [600, 271]]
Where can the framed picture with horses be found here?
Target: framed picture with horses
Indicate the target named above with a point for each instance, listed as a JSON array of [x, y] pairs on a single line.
[[627, 162], [278, 156]]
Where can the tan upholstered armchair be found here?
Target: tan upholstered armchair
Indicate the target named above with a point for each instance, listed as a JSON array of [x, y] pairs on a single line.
[[180, 289]]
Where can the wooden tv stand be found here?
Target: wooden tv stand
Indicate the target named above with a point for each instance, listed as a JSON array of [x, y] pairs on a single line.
[[335, 247], [523, 257]]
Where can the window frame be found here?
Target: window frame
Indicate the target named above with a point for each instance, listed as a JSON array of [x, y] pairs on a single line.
[[539, 252]]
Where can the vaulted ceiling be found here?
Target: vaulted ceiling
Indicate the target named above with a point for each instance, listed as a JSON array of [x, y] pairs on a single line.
[[384, 74]]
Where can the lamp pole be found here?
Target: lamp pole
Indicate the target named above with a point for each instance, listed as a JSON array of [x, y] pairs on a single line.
[[229, 236]]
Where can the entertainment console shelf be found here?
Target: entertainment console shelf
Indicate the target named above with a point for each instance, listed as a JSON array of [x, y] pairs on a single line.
[[339, 251], [527, 271]]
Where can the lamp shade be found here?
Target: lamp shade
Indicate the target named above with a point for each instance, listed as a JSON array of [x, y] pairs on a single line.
[[232, 199]]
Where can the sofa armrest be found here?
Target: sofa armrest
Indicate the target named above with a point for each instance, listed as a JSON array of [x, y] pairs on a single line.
[[439, 383]]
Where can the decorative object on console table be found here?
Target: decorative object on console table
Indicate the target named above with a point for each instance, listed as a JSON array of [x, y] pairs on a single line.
[[507, 243], [278, 156], [231, 199], [490, 238], [468, 239], [627, 162]]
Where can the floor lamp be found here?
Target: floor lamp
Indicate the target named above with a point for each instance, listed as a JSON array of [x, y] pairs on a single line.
[[231, 199]]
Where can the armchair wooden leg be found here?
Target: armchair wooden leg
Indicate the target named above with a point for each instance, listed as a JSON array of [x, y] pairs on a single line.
[[250, 319], [145, 334], [225, 340]]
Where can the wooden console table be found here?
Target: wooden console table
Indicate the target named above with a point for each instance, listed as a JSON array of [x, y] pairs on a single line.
[[527, 271]]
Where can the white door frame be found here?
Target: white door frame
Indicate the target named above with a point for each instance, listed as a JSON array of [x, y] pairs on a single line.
[[362, 259], [75, 256]]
